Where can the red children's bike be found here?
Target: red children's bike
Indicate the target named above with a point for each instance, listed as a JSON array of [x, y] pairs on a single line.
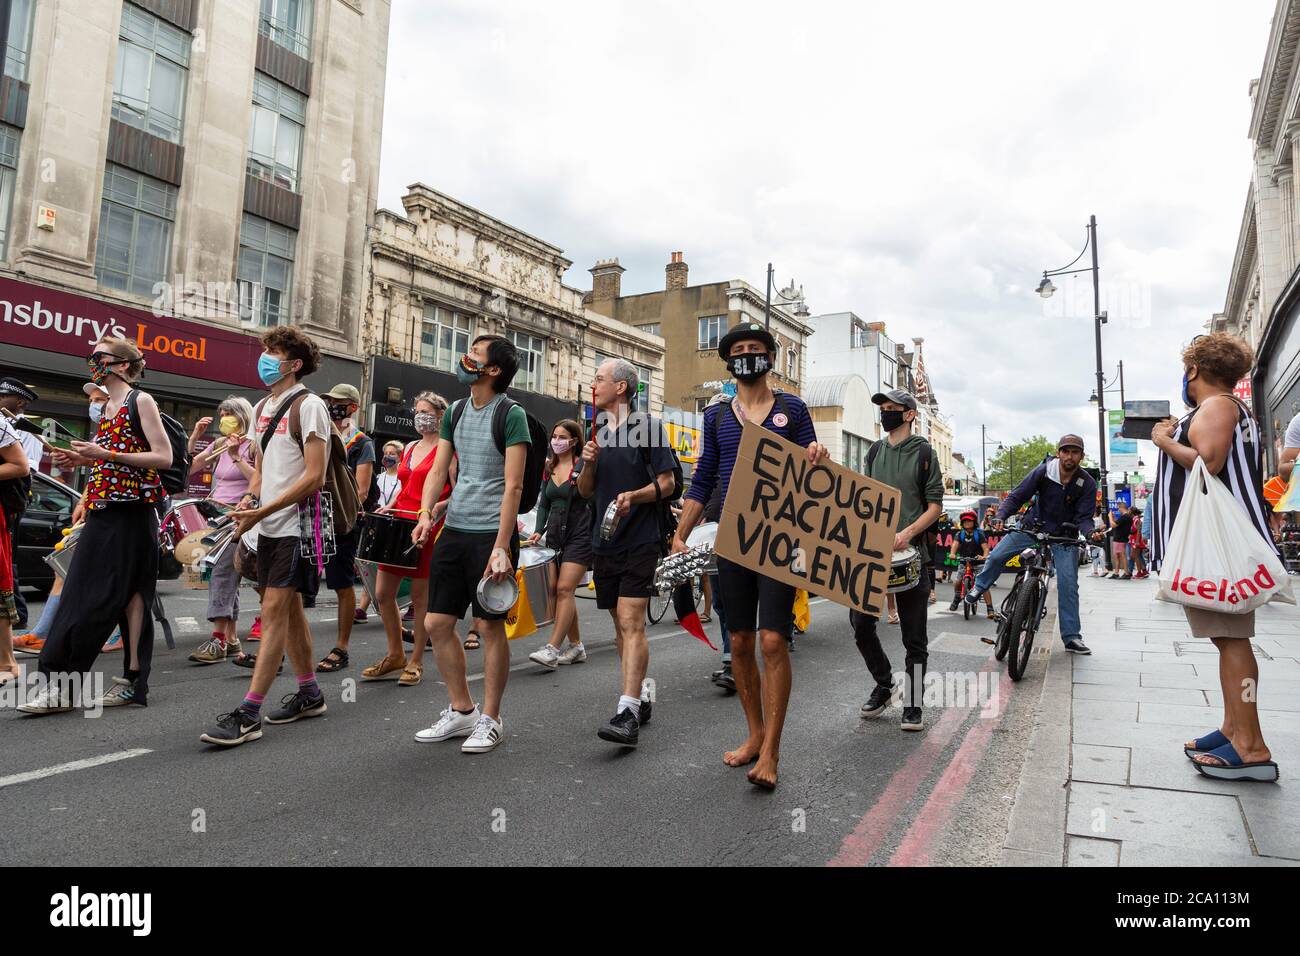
[[970, 568]]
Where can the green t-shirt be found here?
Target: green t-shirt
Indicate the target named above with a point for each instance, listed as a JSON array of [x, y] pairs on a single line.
[[480, 470]]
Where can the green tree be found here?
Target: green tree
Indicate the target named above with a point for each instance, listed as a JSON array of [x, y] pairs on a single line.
[[1009, 466]]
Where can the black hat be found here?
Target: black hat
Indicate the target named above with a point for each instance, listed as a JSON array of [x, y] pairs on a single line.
[[11, 386], [746, 330], [897, 396]]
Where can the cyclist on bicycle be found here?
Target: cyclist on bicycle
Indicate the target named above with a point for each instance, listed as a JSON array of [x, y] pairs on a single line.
[[1064, 496], [968, 544]]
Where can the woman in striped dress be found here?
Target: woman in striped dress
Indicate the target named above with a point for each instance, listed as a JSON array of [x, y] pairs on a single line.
[[1221, 432]]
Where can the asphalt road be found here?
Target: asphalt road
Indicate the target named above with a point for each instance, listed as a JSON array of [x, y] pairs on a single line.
[[353, 787]]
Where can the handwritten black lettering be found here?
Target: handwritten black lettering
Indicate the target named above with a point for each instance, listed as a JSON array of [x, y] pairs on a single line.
[[764, 491], [813, 483], [768, 453]]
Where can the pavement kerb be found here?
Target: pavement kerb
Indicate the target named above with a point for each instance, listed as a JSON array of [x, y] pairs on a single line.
[[1036, 828]]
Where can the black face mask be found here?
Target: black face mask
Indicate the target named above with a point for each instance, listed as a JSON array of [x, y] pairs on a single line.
[[339, 412], [749, 368], [889, 420]]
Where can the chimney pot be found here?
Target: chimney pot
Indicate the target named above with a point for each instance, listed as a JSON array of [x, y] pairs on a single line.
[[675, 272]]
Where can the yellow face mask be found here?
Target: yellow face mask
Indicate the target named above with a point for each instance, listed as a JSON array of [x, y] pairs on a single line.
[[229, 424]]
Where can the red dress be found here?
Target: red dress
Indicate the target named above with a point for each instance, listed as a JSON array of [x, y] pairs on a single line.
[[408, 506]]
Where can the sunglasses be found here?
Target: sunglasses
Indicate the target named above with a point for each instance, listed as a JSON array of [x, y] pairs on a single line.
[[101, 357]]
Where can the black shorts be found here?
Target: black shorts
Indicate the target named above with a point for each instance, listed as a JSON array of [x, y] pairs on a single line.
[[456, 568], [629, 574], [280, 564], [752, 598], [340, 568]]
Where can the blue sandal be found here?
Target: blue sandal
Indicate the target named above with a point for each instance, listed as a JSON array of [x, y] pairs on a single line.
[[1233, 768], [1203, 745]]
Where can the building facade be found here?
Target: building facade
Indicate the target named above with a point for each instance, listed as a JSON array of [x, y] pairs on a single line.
[[691, 319], [845, 344], [842, 414], [444, 273], [1263, 298], [185, 173]]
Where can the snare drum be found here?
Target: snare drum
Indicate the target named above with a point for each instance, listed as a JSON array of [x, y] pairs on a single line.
[[904, 570], [704, 535], [541, 569], [187, 516], [60, 559], [386, 539]]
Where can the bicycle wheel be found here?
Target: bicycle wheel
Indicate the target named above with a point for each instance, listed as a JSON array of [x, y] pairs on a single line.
[[1021, 632], [1004, 623], [658, 607], [965, 605]]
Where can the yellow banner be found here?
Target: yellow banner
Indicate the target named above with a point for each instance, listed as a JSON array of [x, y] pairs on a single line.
[[685, 441]]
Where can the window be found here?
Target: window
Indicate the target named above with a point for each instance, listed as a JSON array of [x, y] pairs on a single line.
[[288, 23], [855, 452], [858, 339], [136, 218], [265, 271], [276, 131], [8, 171], [712, 328], [791, 363], [20, 38], [444, 337], [532, 353], [153, 59], [652, 328]]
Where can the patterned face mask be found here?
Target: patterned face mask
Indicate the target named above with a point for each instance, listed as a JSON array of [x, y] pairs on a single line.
[[426, 423]]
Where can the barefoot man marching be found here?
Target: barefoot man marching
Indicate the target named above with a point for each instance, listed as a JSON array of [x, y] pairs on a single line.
[[754, 602]]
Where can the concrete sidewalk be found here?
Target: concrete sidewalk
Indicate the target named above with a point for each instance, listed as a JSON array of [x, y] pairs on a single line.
[[1106, 782]]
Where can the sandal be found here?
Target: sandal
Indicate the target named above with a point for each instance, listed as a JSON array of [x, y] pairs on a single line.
[[243, 659], [412, 675], [1203, 745], [1232, 767], [893, 617], [706, 618], [335, 660], [384, 668], [471, 642]]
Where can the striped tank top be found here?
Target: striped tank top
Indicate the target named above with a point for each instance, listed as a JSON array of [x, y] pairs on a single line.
[[1242, 473]]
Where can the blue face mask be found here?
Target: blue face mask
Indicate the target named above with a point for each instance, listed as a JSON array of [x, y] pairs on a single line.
[[268, 369], [468, 371], [1187, 399]]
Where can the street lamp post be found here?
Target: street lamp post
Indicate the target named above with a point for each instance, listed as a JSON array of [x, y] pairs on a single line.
[[984, 467], [1045, 289]]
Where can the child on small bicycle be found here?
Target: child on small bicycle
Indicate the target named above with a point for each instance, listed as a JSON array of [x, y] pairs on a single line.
[[969, 544]]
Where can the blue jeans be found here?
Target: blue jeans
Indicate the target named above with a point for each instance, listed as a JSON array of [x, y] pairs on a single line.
[[1067, 577]]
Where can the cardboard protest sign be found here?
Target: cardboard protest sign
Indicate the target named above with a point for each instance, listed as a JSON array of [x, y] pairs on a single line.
[[822, 527]]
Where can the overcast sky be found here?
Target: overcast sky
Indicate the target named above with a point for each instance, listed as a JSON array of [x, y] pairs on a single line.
[[918, 164]]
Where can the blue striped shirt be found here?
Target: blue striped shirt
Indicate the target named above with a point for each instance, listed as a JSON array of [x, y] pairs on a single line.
[[717, 459]]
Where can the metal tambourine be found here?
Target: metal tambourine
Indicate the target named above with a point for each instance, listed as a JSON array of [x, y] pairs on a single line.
[[677, 569], [904, 570], [609, 523]]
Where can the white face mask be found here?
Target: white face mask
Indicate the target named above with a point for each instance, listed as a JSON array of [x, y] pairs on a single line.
[[95, 411]]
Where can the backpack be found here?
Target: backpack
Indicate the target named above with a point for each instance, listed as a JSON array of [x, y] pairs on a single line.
[[663, 506], [538, 442], [175, 478], [339, 480], [922, 479], [372, 493]]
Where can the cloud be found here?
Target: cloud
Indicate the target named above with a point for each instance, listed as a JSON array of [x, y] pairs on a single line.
[[915, 163]]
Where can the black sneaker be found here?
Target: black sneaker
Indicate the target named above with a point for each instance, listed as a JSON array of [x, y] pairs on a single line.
[[877, 702], [953, 605], [912, 719], [233, 729], [623, 729], [1077, 646], [724, 677], [647, 706], [295, 706]]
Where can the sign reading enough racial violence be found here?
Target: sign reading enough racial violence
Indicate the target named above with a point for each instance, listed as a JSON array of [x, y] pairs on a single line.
[[822, 527]]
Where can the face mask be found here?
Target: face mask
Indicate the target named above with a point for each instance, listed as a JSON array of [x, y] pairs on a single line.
[[468, 370], [749, 368], [229, 424], [560, 445], [96, 410], [268, 369], [426, 423], [339, 413], [1187, 399], [889, 420], [99, 371], [389, 461]]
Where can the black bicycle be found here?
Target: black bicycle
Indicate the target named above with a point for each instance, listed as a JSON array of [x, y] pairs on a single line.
[[1025, 606]]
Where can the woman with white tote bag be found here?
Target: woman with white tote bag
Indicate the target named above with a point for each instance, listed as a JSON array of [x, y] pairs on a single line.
[[1220, 432]]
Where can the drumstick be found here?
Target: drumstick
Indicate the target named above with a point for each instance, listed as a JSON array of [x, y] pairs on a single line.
[[593, 412]]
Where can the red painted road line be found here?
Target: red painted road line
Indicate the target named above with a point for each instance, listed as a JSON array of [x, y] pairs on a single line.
[[948, 791], [859, 846]]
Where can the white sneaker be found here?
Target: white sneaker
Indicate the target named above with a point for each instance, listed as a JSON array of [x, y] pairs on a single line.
[[50, 700], [573, 654], [121, 694], [486, 735], [450, 724], [546, 655]]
